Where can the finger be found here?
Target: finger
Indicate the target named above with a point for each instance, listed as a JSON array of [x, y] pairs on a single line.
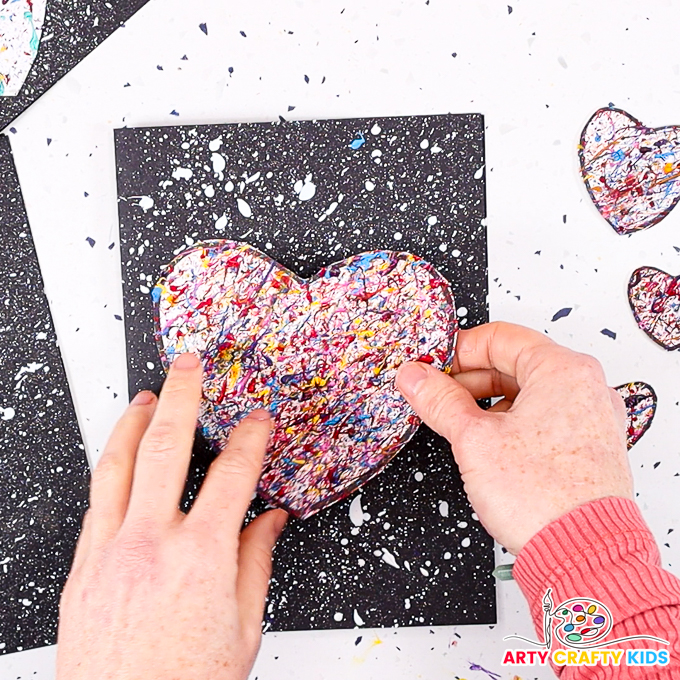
[[620, 412], [232, 478], [501, 406], [165, 450], [513, 350], [485, 383], [112, 478], [442, 402], [255, 566]]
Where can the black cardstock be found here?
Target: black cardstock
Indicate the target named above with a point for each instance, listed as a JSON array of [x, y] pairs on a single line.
[[44, 474], [406, 549], [71, 30]]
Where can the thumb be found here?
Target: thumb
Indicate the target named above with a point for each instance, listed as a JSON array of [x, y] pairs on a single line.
[[255, 566], [441, 402]]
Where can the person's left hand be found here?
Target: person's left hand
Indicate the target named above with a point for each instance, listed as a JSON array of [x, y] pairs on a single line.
[[153, 593]]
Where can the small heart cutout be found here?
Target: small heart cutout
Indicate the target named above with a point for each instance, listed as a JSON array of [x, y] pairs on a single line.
[[640, 400], [654, 297], [320, 354], [21, 23], [632, 172]]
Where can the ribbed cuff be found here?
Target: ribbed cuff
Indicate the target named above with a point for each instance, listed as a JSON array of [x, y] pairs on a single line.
[[603, 550]]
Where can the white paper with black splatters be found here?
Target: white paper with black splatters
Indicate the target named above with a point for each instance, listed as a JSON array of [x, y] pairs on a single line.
[[406, 549], [44, 474]]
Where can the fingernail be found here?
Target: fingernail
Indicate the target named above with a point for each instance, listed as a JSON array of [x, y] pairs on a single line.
[[259, 414], [186, 361], [411, 377], [143, 398]]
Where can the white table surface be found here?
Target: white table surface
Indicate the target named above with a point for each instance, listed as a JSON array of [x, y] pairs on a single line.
[[537, 74]]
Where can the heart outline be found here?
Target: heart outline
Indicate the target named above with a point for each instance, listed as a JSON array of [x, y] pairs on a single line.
[[405, 427], [586, 164], [632, 393], [636, 278]]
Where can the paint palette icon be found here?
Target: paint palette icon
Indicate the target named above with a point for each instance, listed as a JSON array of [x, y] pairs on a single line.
[[581, 621]]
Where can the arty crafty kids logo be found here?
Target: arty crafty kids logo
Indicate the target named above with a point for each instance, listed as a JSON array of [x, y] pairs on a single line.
[[574, 634]]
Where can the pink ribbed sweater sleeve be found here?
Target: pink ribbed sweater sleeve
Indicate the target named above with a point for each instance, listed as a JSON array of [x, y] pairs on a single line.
[[604, 550]]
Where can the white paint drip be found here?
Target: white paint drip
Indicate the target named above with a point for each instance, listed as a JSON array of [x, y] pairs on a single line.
[[221, 223], [356, 512], [389, 558], [244, 208], [32, 367], [219, 163], [182, 173], [357, 619], [305, 190], [479, 173]]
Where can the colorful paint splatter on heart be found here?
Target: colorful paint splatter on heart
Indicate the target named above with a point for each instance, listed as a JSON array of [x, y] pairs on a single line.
[[640, 400], [21, 24], [320, 354], [654, 297], [632, 172]]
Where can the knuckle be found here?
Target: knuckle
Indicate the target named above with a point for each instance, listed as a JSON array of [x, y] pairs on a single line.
[[237, 463], [109, 466], [135, 551], [159, 441]]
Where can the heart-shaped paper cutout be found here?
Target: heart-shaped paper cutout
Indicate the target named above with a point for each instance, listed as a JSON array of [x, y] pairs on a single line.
[[321, 354], [21, 23], [632, 172], [640, 400], [655, 300]]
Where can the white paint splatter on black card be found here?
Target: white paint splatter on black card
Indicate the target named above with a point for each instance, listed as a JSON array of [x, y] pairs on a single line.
[[72, 29], [44, 474], [406, 549]]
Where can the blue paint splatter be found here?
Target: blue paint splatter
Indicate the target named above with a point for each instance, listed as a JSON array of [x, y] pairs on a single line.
[[358, 142], [608, 333]]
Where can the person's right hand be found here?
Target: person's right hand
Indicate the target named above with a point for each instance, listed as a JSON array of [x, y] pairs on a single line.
[[554, 442]]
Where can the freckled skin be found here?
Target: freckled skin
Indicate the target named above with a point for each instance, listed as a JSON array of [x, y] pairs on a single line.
[[556, 441], [155, 594]]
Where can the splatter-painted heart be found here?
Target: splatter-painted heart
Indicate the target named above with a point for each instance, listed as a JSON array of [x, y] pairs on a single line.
[[21, 25], [632, 172], [655, 300], [640, 399], [321, 354]]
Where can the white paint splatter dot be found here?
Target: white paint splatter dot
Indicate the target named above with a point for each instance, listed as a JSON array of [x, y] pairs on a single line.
[[229, 186], [462, 525], [419, 476], [389, 558], [455, 252], [432, 220], [442, 247], [209, 191], [356, 512], [465, 543], [447, 555], [182, 173], [397, 236], [462, 311], [150, 365], [443, 508], [305, 190], [376, 129], [219, 163], [369, 185], [215, 144], [221, 223], [407, 603], [7, 413], [479, 173], [425, 143], [244, 208], [357, 619], [338, 616]]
